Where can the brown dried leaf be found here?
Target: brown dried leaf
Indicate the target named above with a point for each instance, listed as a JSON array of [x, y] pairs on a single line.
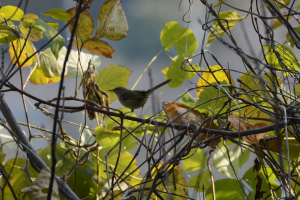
[[96, 46], [85, 26], [112, 22], [176, 109], [254, 139], [237, 123], [242, 125], [191, 117]]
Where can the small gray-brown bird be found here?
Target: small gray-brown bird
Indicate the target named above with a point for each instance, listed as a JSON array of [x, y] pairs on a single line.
[[135, 99]]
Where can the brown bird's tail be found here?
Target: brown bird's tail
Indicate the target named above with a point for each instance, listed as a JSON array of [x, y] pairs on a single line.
[[158, 86]]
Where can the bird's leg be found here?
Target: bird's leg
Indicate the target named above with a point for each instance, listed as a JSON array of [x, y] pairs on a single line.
[[141, 111]]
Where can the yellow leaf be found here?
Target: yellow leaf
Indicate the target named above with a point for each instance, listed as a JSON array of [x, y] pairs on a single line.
[[165, 70], [85, 26], [112, 22], [15, 50], [211, 75], [37, 77]]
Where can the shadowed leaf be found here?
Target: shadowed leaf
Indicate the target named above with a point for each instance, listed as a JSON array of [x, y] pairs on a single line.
[[96, 46]]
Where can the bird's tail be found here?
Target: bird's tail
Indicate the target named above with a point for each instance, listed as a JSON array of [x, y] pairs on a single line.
[[158, 86]]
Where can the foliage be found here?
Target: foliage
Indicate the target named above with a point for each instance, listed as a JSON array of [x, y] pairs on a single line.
[[242, 123]]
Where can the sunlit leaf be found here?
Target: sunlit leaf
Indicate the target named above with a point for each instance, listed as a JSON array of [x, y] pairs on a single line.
[[38, 77], [228, 189], [213, 75], [286, 61], [230, 18], [195, 160], [112, 23], [96, 46], [200, 182], [221, 160], [112, 76], [85, 26], [8, 34], [177, 74], [15, 50], [27, 24], [106, 138], [12, 13], [41, 183], [183, 40], [58, 13], [57, 43]]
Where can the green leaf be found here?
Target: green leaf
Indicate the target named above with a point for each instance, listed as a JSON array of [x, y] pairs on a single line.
[[188, 98], [112, 22], [287, 57], [222, 164], [106, 138], [195, 160], [199, 181], [208, 95], [65, 162], [182, 39], [57, 43], [228, 189], [82, 180], [112, 76], [250, 178], [52, 67], [177, 74], [8, 34], [12, 13], [58, 13], [17, 178], [244, 158], [124, 160], [232, 17]]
